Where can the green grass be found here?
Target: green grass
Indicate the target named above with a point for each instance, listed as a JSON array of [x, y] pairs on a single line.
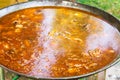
[[111, 6]]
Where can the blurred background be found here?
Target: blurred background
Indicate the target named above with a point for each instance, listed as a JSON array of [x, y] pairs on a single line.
[[110, 6]]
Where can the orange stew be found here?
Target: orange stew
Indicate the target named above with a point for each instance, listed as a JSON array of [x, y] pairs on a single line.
[[56, 42]]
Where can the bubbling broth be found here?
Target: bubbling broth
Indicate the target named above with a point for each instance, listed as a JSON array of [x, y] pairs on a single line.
[[56, 42]]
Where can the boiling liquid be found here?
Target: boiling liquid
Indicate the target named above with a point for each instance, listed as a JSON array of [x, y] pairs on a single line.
[[56, 42]]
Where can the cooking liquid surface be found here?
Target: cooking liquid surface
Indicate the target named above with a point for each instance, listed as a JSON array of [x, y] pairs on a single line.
[[56, 42]]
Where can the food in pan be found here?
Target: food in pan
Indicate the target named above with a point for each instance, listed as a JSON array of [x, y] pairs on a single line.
[[56, 42]]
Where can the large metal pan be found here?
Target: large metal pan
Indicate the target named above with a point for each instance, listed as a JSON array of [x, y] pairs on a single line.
[[65, 3]]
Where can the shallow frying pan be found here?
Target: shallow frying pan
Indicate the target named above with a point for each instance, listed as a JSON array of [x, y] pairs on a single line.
[[66, 3]]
